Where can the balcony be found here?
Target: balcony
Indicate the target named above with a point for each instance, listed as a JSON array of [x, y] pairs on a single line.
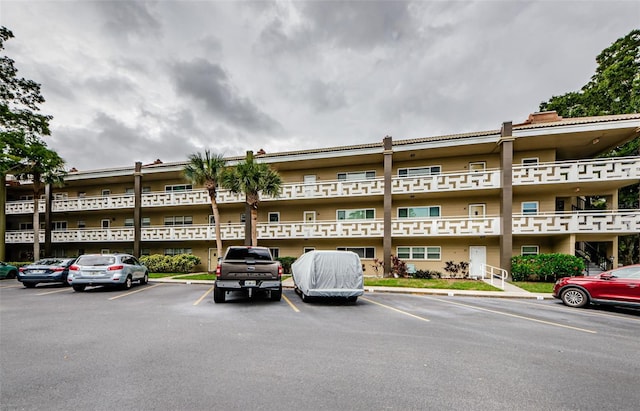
[[607, 169], [599, 170], [620, 222], [607, 222]]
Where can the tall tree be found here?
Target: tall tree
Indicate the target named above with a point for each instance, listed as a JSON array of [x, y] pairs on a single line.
[[251, 179], [207, 170], [613, 89], [20, 121], [41, 166]]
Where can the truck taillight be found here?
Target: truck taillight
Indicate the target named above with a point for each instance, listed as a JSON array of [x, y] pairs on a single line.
[[279, 271], [218, 271]]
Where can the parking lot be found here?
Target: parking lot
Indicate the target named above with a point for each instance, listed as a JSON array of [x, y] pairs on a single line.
[[169, 347]]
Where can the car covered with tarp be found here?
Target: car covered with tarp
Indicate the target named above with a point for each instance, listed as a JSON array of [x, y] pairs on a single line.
[[328, 273]]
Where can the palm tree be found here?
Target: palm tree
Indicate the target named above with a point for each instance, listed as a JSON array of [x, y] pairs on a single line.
[[42, 166], [206, 170], [251, 179]]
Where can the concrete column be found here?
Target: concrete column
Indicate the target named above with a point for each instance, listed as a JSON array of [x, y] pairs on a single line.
[[247, 211], [506, 196], [48, 200], [388, 171], [137, 209]]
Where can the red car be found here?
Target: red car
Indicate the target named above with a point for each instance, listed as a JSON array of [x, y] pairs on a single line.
[[620, 286]]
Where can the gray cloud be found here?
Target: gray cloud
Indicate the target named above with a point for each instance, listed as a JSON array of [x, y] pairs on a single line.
[[209, 84]]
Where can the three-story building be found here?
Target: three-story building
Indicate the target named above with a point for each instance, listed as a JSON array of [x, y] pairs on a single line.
[[481, 197]]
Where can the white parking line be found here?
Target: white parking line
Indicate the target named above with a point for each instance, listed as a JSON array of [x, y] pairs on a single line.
[[55, 291], [514, 315], [395, 309], [582, 311], [136, 291]]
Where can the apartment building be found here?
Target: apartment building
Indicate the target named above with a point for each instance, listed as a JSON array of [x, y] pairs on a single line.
[[479, 197]]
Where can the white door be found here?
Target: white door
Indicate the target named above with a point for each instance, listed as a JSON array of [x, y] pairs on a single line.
[[309, 184], [477, 258]]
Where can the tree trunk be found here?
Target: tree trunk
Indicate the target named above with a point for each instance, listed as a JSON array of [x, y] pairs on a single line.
[[216, 221], [36, 217], [254, 226], [3, 221]]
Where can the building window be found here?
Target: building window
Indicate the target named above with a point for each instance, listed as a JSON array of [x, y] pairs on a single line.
[[28, 197], [59, 225], [178, 187], [82, 194], [128, 222], [530, 250], [419, 171], [275, 252], [105, 251], [419, 253], [243, 218], [129, 191], [106, 223], [363, 252], [419, 212], [81, 224], [358, 214], [178, 220], [26, 226], [146, 222], [530, 161], [357, 175], [477, 166], [60, 196], [307, 249], [212, 220], [530, 207], [177, 251], [274, 217], [105, 192]]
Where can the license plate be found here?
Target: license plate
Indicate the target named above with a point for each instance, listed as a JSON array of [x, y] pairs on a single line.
[[36, 272], [250, 283]]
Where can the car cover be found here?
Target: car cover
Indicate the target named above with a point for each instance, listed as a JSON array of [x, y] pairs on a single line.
[[322, 273]]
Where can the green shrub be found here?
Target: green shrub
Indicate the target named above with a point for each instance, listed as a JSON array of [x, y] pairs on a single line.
[[181, 263], [426, 274], [18, 264], [545, 267], [286, 263]]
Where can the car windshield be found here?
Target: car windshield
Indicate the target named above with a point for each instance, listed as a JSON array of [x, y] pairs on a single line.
[[96, 260], [627, 272]]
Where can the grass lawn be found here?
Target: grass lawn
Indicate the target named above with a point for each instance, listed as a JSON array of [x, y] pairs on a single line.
[[433, 283], [535, 287], [162, 275]]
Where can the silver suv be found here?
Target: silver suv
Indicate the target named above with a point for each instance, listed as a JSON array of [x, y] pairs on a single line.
[[119, 270]]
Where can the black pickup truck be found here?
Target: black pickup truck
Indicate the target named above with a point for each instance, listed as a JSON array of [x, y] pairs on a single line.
[[246, 268]]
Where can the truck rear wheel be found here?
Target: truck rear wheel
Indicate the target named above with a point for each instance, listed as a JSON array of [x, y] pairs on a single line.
[[218, 295]]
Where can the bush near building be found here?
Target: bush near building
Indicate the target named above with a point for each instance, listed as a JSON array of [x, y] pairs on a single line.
[[286, 263], [181, 263], [545, 267]]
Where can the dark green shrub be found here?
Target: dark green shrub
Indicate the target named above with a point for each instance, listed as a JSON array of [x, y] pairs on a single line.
[[286, 263], [545, 267], [426, 274]]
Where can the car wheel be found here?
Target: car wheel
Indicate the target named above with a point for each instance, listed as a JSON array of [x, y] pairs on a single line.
[[305, 298], [276, 295], [144, 279], [78, 288], [30, 285], [575, 297], [127, 283], [12, 274], [219, 295]]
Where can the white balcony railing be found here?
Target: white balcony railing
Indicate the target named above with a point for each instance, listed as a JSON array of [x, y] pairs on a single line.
[[607, 222], [612, 222], [609, 169]]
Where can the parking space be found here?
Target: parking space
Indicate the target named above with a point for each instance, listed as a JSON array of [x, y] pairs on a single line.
[[170, 346]]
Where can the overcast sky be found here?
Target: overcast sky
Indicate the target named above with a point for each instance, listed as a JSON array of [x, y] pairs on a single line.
[[131, 81]]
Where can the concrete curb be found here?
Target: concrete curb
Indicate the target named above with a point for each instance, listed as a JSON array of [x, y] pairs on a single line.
[[288, 284]]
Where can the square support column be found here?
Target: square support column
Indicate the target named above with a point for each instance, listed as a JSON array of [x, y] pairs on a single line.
[[506, 197]]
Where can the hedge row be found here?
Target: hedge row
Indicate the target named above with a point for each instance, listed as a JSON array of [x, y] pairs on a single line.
[[181, 263], [545, 267]]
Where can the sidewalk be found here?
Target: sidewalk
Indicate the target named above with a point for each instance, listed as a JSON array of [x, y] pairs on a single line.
[[511, 291]]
